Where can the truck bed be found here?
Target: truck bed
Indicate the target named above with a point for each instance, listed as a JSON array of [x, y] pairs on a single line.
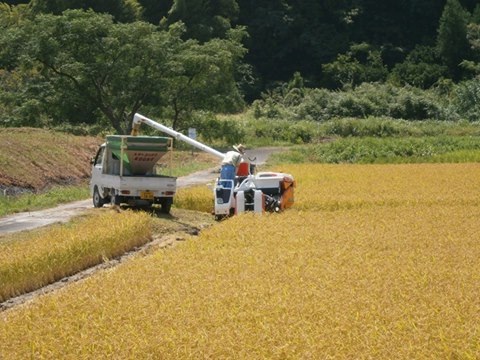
[[144, 182]]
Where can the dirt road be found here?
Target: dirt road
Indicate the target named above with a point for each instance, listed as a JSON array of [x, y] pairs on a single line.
[[63, 213]]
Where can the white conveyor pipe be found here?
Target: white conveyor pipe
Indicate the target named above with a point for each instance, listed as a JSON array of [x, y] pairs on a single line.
[[138, 119]]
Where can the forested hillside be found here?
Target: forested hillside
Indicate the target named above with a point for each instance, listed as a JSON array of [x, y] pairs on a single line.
[[94, 64]]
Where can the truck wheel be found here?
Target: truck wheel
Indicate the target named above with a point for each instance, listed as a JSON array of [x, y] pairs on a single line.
[[97, 199], [166, 205], [116, 200]]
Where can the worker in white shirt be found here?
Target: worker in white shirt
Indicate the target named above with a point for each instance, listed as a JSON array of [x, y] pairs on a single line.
[[230, 164]]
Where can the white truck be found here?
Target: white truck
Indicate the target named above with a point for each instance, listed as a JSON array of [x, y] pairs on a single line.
[[124, 172]]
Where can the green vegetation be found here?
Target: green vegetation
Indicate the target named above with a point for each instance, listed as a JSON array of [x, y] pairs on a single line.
[[388, 150], [36, 201], [83, 64]]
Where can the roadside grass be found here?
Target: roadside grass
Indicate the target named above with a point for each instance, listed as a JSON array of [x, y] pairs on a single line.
[[53, 197], [370, 150], [264, 131], [373, 261], [31, 260]]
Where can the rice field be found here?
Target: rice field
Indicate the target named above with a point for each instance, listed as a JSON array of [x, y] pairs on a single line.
[[30, 260], [373, 262]]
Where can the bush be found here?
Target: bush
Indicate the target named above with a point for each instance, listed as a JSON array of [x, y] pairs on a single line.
[[211, 129], [368, 99], [421, 69], [467, 100]]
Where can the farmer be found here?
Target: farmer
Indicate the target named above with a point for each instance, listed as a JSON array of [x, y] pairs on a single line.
[[230, 164]]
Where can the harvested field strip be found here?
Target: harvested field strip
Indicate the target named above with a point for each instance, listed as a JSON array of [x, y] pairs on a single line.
[[31, 261], [374, 281]]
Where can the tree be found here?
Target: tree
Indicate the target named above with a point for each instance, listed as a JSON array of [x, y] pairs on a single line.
[[155, 10], [452, 40], [122, 10], [204, 78], [11, 15], [422, 68], [363, 63], [204, 19], [83, 60], [115, 68], [473, 65]]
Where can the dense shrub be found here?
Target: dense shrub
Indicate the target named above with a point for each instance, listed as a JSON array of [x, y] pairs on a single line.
[[362, 63], [367, 99], [211, 129], [467, 99], [421, 68], [282, 131]]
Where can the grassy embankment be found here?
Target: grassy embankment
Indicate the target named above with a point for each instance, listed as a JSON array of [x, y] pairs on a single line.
[[40, 168], [373, 261]]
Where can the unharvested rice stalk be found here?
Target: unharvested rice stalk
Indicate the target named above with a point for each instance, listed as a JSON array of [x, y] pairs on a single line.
[[50, 255], [199, 198], [388, 269]]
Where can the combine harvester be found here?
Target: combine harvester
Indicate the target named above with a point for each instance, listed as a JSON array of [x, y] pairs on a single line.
[[260, 192]]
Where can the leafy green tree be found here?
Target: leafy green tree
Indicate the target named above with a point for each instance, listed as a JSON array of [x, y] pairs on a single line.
[[11, 15], [86, 64], [270, 42], [474, 39], [204, 78], [155, 10], [204, 19], [112, 67], [363, 63], [422, 68], [122, 10], [286, 36], [476, 15], [452, 40], [319, 31]]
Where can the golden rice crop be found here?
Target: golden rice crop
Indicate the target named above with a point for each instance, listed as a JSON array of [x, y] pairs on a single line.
[[387, 270], [199, 198], [37, 259], [330, 187]]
